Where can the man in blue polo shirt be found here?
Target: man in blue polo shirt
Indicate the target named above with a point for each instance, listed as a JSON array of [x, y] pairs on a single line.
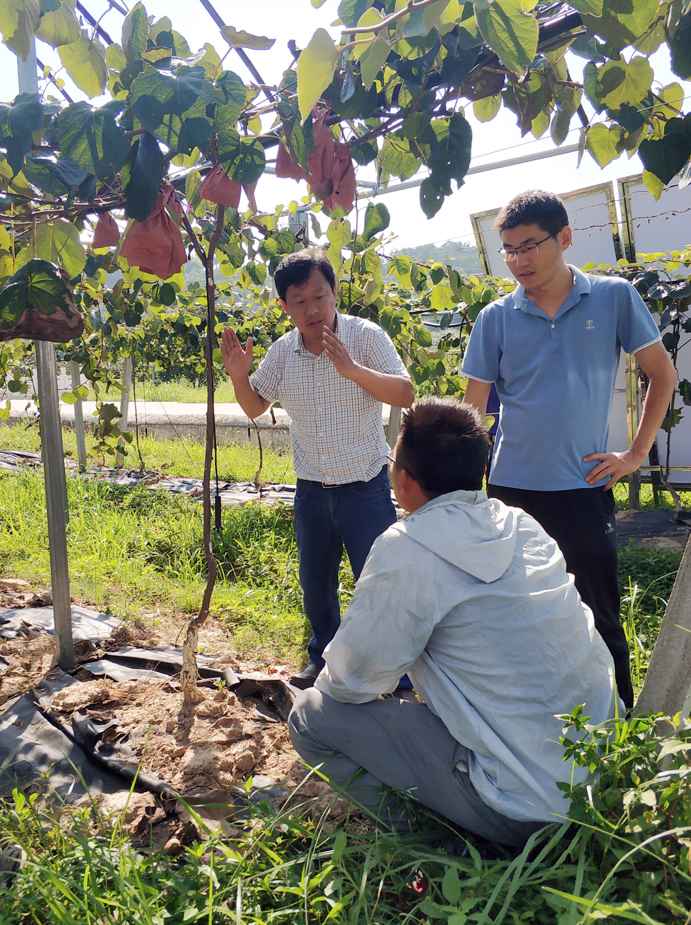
[[552, 349]]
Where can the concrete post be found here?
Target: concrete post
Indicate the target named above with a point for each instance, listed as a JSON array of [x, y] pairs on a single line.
[[667, 687], [78, 418], [52, 450], [394, 425], [124, 404]]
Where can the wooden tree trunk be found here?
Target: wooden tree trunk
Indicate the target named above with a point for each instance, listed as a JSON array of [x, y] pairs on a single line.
[[189, 674]]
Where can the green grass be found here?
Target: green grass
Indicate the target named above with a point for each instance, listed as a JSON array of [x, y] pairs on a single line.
[[182, 391], [136, 551], [617, 861], [183, 457]]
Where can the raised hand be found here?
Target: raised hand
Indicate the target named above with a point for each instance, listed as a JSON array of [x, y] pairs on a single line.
[[337, 352], [237, 360]]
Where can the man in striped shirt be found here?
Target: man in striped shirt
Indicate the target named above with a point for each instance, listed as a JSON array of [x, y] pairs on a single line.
[[331, 374]]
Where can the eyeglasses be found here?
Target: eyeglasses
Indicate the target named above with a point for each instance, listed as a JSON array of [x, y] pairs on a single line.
[[524, 250]]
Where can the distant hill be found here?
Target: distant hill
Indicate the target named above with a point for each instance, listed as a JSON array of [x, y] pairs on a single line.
[[461, 256]]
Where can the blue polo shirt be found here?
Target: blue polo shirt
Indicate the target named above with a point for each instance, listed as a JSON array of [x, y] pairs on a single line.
[[555, 377]]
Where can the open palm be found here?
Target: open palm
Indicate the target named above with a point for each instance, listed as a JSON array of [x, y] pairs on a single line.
[[237, 360]]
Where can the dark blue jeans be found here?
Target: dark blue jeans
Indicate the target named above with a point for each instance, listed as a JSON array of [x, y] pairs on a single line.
[[326, 520]]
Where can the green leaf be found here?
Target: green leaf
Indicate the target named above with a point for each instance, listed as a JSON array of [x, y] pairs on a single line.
[[602, 141], [135, 32], [243, 158], [233, 90], [451, 886], [146, 174], [92, 138], [377, 219], [620, 83], [431, 197], [667, 156], [59, 27], [594, 7], [450, 157], [240, 39], [315, 68], [486, 109], [195, 133], [396, 159], [509, 31], [38, 285], [373, 60], [680, 47], [23, 118], [54, 177], [84, 61], [559, 129], [58, 242]]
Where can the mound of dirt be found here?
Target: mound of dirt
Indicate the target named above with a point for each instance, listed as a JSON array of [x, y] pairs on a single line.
[[24, 662], [217, 747]]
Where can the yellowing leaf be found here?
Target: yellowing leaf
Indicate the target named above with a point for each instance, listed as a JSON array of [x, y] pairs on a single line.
[[372, 61], [601, 141], [620, 83], [9, 18], [84, 61], [240, 39], [6, 253], [540, 124], [673, 96], [365, 40], [18, 22], [59, 27], [316, 66], [340, 235], [653, 184], [486, 109]]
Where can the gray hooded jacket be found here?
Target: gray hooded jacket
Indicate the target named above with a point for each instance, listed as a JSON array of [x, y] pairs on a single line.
[[472, 599]]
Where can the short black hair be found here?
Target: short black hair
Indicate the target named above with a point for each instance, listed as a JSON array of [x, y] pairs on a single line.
[[296, 268], [535, 207], [443, 445]]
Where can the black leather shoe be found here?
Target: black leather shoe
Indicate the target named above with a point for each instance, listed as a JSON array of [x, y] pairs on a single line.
[[306, 678]]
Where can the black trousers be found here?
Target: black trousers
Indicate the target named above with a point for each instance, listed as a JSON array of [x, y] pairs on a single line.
[[582, 524]]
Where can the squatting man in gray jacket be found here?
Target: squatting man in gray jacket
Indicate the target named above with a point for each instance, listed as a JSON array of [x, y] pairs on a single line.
[[472, 599]]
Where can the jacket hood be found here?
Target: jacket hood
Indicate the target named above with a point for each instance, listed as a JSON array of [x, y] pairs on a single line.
[[467, 529]]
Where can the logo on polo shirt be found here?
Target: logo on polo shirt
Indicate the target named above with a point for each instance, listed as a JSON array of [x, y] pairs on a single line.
[[590, 325]]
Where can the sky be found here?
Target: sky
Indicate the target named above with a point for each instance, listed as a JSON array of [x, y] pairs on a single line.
[[492, 142]]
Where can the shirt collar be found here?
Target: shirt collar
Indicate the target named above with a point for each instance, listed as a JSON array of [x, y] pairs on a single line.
[[581, 287], [298, 343]]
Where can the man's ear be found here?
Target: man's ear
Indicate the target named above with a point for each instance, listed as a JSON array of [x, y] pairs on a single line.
[[565, 237], [283, 304]]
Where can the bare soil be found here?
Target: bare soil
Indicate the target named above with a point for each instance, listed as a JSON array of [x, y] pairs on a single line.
[[215, 748]]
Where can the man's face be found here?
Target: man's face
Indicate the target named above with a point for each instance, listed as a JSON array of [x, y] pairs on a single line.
[[533, 255], [311, 305]]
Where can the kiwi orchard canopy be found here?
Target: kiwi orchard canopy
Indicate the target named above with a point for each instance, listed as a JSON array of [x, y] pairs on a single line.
[[393, 90]]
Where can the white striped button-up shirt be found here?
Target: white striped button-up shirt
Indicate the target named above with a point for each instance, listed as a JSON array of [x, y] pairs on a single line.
[[336, 426]]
